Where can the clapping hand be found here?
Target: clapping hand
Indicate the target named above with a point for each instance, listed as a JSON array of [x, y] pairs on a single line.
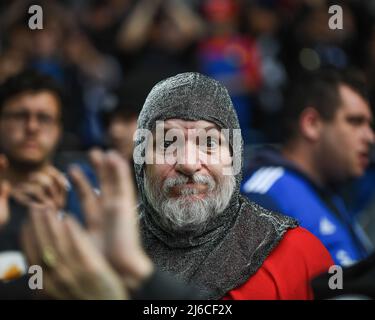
[[104, 261], [4, 194]]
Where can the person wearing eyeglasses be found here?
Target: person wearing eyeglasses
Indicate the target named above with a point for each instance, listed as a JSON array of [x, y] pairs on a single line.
[[30, 130], [31, 108]]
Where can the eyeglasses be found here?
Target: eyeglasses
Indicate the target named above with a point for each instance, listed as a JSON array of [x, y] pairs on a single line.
[[21, 118]]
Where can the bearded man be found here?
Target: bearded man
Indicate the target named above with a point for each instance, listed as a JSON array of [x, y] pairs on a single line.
[[194, 222]]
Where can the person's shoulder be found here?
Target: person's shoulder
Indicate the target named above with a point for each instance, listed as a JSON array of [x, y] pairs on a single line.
[[255, 182], [301, 238], [282, 190], [275, 181], [287, 271], [302, 249]]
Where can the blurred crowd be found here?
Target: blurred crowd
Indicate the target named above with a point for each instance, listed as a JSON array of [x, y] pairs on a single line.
[[107, 55], [96, 49], [81, 82]]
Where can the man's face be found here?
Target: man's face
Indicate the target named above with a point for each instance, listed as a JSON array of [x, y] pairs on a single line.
[[345, 141], [190, 188], [30, 128]]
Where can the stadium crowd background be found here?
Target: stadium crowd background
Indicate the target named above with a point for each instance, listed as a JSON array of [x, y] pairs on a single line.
[[107, 55]]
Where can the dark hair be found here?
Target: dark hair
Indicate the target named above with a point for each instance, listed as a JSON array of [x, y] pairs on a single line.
[[123, 104], [319, 90], [29, 81]]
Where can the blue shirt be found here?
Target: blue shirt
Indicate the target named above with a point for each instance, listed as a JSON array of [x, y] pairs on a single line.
[[279, 186]]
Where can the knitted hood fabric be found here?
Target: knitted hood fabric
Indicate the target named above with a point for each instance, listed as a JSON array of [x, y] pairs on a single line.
[[236, 242]]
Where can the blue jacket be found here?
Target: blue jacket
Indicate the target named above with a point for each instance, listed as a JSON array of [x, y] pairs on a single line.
[[278, 185]]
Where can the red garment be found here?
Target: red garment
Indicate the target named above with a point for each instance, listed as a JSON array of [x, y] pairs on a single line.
[[286, 272]]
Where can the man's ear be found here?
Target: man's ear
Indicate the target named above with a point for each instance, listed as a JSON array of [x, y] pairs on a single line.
[[310, 124]]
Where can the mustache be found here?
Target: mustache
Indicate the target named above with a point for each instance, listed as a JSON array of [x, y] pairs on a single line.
[[195, 179]]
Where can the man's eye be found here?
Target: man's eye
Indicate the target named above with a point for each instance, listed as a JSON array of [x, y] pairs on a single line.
[[212, 143], [167, 144], [356, 121], [20, 116], [45, 119]]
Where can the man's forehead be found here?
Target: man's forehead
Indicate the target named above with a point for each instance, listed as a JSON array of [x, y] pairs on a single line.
[[188, 124], [39, 100], [353, 103]]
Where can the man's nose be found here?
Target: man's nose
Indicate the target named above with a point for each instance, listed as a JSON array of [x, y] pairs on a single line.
[[369, 135], [189, 162], [32, 124]]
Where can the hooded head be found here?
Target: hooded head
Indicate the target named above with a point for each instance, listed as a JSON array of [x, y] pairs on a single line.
[[184, 195], [238, 235]]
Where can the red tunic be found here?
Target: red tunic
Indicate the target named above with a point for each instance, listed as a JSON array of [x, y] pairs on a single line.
[[286, 272]]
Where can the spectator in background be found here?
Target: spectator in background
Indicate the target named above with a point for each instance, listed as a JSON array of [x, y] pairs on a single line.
[[362, 191], [231, 57], [31, 109], [63, 50], [158, 35], [263, 22], [327, 141], [121, 125], [101, 21], [150, 40], [30, 119], [95, 75], [30, 129]]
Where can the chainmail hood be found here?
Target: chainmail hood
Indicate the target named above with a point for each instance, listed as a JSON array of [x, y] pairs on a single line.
[[235, 243]]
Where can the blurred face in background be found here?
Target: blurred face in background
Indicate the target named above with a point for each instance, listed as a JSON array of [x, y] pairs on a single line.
[[30, 128], [46, 42], [344, 146], [121, 133]]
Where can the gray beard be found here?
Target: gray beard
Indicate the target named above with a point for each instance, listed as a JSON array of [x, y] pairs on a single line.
[[188, 214]]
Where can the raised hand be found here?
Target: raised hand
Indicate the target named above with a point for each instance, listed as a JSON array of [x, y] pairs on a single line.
[[73, 268], [47, 187], [4, 193], [112, 216]]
